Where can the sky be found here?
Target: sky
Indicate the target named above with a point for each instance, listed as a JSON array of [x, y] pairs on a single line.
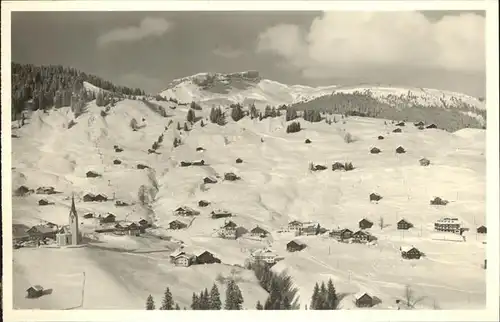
[[433, 49]]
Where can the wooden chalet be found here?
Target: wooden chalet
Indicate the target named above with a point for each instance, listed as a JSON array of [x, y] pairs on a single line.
[[217, 214], [400, 150], [259, 232], [419, 124], [128, 228], [203, 203], [365, 224], [363, 237], [41, 232], [186, 212], [183, 259], [341, 234], [207, 257], [34, 291], [398, 130], [431, 126], [403, 224], [424, 162], [363, 299], [92, 174], [177, 224], [88, 215], [375, 197], [310, 229], [209, 180], [229, 230], [295, 225], [109, 218], [481, 230], [410, 252], [295, 246]]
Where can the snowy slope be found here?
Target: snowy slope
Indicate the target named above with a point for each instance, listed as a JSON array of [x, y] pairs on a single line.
[[276, 187], [249, 87]]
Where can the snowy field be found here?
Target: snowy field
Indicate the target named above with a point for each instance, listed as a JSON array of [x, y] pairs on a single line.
[[275, 187]]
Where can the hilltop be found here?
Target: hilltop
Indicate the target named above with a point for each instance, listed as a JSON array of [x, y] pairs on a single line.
[[449, 110]]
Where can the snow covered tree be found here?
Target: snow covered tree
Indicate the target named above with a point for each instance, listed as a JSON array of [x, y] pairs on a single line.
[[150, 303], [259, 306], [168, 302], [177, 307], [215, 302], [185, 128]]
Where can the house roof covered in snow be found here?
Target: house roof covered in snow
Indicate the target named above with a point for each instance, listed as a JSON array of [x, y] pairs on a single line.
[[407, 248], [360, 294]]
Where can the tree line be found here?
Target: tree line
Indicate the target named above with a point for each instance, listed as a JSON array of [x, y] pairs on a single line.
[[55, 85]]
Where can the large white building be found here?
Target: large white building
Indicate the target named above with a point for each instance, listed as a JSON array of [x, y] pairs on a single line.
[[448, 224]]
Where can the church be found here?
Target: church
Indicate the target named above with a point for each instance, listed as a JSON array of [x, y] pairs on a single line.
[[70, 234]]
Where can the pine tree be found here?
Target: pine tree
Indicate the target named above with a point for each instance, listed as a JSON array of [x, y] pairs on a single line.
[[202, 124], [234, 298], [177, 307], [191, 116], [178, 126], [186, 128], [314, 298], [253, 112], [195, 303], [286, 303], [168, 302], [150, 303], [332, 296], [322, 303], [259, 306], [237, 112], [215, 303]]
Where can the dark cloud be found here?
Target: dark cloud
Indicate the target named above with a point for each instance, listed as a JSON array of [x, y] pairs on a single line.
[[185, 43]]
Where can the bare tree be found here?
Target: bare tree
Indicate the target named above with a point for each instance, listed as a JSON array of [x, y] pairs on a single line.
[[381, 223], [410, 300]]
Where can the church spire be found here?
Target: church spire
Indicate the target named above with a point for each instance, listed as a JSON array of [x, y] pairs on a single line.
[[72, 212]]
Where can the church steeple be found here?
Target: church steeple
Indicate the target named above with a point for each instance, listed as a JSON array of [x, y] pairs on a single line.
[[73, 223]]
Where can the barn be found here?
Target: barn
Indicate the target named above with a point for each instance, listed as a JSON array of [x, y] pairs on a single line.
[[403, 224], [295, 246], [365, 224]]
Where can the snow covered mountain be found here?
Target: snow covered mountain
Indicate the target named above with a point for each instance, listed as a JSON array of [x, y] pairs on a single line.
[[57, 149], [248, 87]]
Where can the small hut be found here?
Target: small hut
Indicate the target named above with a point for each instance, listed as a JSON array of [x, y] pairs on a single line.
[[375, 197], [231, 176], [380, 137], [431, 126], [424, 162], [400, 150], [116, 161], [398, 130], [239, 160], [307, 141], [34, 291], [375, 150]]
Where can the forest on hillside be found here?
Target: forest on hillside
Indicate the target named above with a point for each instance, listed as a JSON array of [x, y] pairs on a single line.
[[55, 85], [400, 108]]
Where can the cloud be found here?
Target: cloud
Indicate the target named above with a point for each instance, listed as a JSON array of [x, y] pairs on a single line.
[[149, 27], [227, 52], [343, 41]]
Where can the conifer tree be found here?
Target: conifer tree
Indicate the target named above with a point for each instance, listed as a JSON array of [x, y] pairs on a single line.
[[259, 306], [191, 116], [178, 126], [185, 128], [314, 298], [150, 303], [177, 307], [286, 303], [195, 302], [234, 298], [237, 112], [168, 302], [215, 302], [253, 112], [332, 296], [100, 99]]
